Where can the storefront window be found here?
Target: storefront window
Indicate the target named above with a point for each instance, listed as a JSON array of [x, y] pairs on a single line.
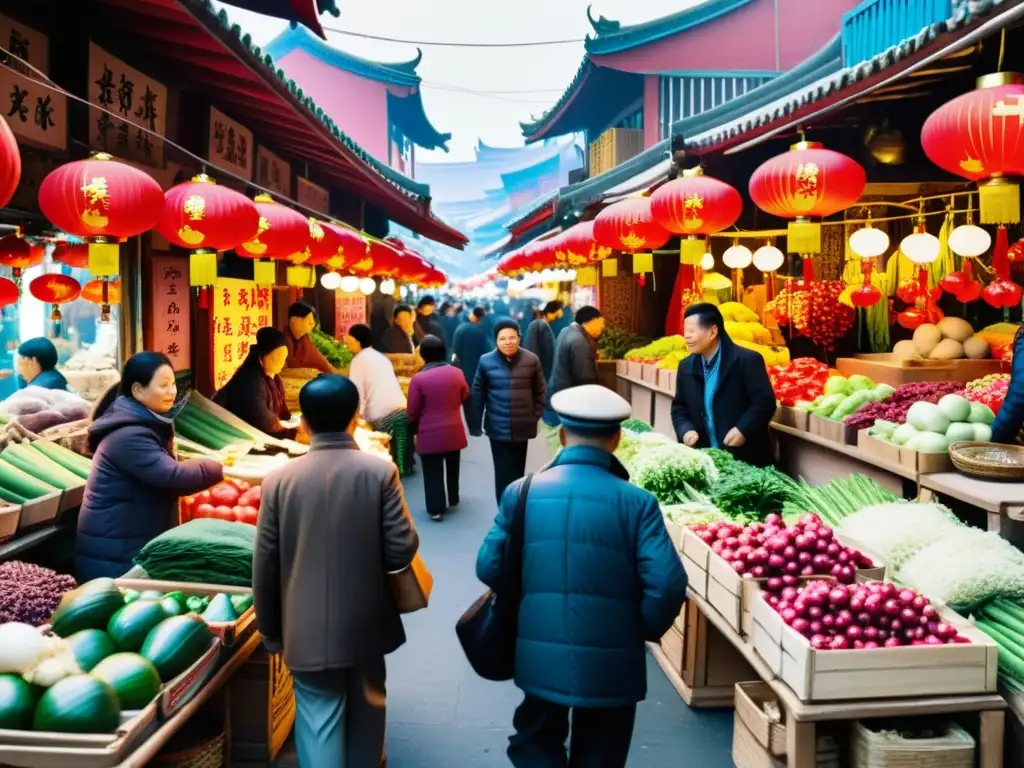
[[87, 349]]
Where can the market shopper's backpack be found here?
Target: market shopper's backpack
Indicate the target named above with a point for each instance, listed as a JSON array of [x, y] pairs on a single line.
[[488, 628]]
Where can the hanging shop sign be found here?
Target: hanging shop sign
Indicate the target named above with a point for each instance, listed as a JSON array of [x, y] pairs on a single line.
[[273, 173], [37, 115], [137, 102], [240, 308], [313, 196], [230, 144], [584, 296], [349, 310], [169, 310]]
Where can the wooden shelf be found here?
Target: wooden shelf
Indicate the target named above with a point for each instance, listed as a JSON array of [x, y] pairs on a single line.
[[646, 385], [848, 450], [989, 495]]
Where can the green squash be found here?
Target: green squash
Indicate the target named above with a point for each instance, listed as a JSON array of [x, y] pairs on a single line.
[[172, 607], [78, 704], [131, 595], [130, 625], [175, 644], [133, 678], [242, 603], [89, 609], [90, 647], [220, 610], [17, 703]]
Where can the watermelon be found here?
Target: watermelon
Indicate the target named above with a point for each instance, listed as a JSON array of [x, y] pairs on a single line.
[[220, 610], [90, 647], [175, 644], [17, 702], [132, 677], [78, 704], [130, 625], [88, 609]]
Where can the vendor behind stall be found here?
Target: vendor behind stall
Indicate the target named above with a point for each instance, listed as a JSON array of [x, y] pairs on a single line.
[[132, 492], [37, 365], [255, 394], [302, 352]]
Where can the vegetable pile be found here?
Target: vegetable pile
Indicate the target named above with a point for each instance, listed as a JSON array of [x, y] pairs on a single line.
[[198, 426], [30, 593], [780, 555], [32, 470], [932, 428], [1003, 621], [895, 407], [658, 349], [803, 379], [843, 397], [897, 530], [202, 551], [337, 353], [989, 390], [664, 467], [231, 500], [751, 491], [837, 499], [838, 617], [615, 342]]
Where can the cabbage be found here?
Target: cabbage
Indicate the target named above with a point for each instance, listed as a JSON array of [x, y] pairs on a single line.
[[960, 431], [850, 404], [956, 407], [928, 442], [981, 414], [982, 433], [903, 433], [827, 405], [859, 382], [896, 531], [837, 385], [882, 391], [883, 429], [926, 417]]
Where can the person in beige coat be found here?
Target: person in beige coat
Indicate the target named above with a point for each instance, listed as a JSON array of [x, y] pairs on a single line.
[[333, 524]]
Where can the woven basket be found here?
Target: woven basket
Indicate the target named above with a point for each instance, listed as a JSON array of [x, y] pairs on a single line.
[[992, 461], [208, 754], [294, 379], [952, 747]]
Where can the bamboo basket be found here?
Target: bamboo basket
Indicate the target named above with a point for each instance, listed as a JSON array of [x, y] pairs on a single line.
[[950, 747], [294, 379], [992, 461]]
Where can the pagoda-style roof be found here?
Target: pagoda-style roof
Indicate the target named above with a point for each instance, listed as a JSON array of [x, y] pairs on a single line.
[[306, 12], [221, 61], [404, 110], [611, 37]]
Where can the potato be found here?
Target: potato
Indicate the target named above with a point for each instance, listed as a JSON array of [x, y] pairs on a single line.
[[925, 338], [955, 328], [977, 348], [947, 349]]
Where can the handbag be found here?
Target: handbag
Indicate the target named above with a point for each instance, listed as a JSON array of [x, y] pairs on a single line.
[[411, 586], [489, 627]]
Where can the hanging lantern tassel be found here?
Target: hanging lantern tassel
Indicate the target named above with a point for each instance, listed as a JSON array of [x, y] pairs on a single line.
[[643, 263], [1001, 255], [104, 256], [202, 273], [610, 267], [803, 236], [105, 303], [692, 250], [1000, 201], [263, 272], [55, 318], [808, 269]]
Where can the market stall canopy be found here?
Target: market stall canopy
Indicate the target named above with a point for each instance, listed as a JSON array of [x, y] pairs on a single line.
[[305, 12], [188, 35]]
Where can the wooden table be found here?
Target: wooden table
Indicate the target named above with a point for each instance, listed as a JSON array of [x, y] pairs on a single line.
[[650, 403], [802, 717]]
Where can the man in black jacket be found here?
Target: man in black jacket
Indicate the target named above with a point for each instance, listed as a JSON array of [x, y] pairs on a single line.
[[724, 398], [576, 351]]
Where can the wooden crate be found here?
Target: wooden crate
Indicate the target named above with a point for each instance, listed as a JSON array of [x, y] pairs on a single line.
[[792, 417], [675, 532], [649, 373], [877, 449], [634, 370], [834, 431], [925, 463], [262, 701], [770, 734], [876, 673], [884, 368], [666, 379], [695, 555], [746, 751]]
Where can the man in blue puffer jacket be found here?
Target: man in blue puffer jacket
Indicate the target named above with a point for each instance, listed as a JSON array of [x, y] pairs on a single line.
[[600, 577], [508, 397]]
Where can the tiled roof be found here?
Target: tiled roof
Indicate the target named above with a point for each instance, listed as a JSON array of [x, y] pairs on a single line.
[[612, 37]]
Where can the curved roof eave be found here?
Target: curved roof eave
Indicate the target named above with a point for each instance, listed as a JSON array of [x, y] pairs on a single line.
[[540, 128], [408, 114], [298, 38], [612, 37]]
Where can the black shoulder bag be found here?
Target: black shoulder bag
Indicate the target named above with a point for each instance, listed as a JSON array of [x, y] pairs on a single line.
[[488, 629]]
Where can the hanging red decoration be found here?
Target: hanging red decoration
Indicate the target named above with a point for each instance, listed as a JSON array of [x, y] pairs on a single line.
[[55, 289], [387, 260], [414, 267], [282, 231], [1002, 293], [806, 183], [74, 255], [9, 292], [103, 292], [976, 136], [541, 254], [865, 296], [628, 225], [694, 206], [102, 201], [961, 285], [911, 318], [10, 162], [18, 254], [351, 250], [1015, 253], [579, 245]]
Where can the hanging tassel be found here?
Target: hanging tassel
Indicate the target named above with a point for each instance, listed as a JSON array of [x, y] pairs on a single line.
[[1001, 254], [808, 270], [1000, 202], [803, 237]]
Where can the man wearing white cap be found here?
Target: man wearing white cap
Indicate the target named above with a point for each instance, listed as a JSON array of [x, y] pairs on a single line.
[[599, 578]]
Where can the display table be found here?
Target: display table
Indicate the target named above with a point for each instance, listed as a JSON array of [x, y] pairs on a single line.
[[802, 717], [649, 402]]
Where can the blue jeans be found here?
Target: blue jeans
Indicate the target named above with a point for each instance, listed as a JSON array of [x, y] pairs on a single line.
[[340, 716]]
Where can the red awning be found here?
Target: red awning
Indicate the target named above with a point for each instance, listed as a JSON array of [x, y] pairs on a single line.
[[187, 37], [305, 12]]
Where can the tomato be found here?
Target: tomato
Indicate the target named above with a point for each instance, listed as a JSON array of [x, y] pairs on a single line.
[[203, 497], [203, 510], [222, 512], [249, 499], [247, 515], [241, 485], [225, 494]]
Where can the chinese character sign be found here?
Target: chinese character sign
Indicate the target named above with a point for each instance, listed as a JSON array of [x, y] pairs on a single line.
[[349, 310], [230, 144], [37, 115], [169, 304], [240, 308], [137, 102], [273, 173], [313, 196]]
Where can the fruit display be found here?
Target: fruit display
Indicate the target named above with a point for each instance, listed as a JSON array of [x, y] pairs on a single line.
[[802, 379], [232, 500], [737, 312], [615, 342], [952, 338], [658, 350], [839, 617], [894, 408], [1000, 338], [932, 428], [814, 311], [842, 397], [989, 390]]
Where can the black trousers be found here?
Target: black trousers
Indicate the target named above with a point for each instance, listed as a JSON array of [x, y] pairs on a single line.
[[440, 473], [509, 463], [600, 737]]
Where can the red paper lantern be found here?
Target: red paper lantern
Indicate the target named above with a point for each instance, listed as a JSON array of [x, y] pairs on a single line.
[[387, 259], [102, 201], [282, 231], [696, 204], [977, 136], [628, 225], [55, 289], [579, 246], [103, 292], [1001, 293], [805, 183], [19, 254], [206, 218], [351, 251], [866, 295], [74, 255], [9, 292], [415, 267], [10, 162]]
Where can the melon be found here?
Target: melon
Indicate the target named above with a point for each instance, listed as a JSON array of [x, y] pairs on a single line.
[[955, 328], [976, 348], [956, 407], [88, 607], [960, 431], [78, 704], [926, 338], [133, 678], [905, 349], [130, 625], [17, 703], [947, 349], [90, 647], [982, 433], [175, 644]]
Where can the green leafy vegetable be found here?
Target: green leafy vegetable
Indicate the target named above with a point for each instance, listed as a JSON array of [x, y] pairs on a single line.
[[747, 490], [636, 425], [337, 354]]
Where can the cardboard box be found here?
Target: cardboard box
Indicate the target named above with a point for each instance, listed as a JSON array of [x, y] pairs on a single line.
[[926, 463], [41, 511], [877, 673], [834, 431], [877, 449], [622, 368], [769, 733], [675, 532], [634, 370], [747, 752], [792, 417], [673, 647], [649, 373]]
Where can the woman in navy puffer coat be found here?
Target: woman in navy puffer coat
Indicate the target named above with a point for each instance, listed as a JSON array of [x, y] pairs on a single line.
[[132, 492]]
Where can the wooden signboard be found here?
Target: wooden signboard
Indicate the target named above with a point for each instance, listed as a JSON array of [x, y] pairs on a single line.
[[273, 173], [230, 144], [169, 310], [36, 114]]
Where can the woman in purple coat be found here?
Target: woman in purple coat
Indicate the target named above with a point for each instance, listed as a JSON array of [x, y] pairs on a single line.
[[436, 395], [132, 492]]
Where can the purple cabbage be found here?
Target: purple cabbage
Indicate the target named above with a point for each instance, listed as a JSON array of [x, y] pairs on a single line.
[[895, 407], [30, 593]]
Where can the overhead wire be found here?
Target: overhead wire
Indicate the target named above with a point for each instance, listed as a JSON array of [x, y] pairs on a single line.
[[453, 43]]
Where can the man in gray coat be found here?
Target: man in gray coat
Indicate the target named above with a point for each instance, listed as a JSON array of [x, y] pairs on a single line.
[[333, 524], [575, 363]]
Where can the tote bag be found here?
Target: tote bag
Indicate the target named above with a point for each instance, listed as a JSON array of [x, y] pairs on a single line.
[[488, 628]]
